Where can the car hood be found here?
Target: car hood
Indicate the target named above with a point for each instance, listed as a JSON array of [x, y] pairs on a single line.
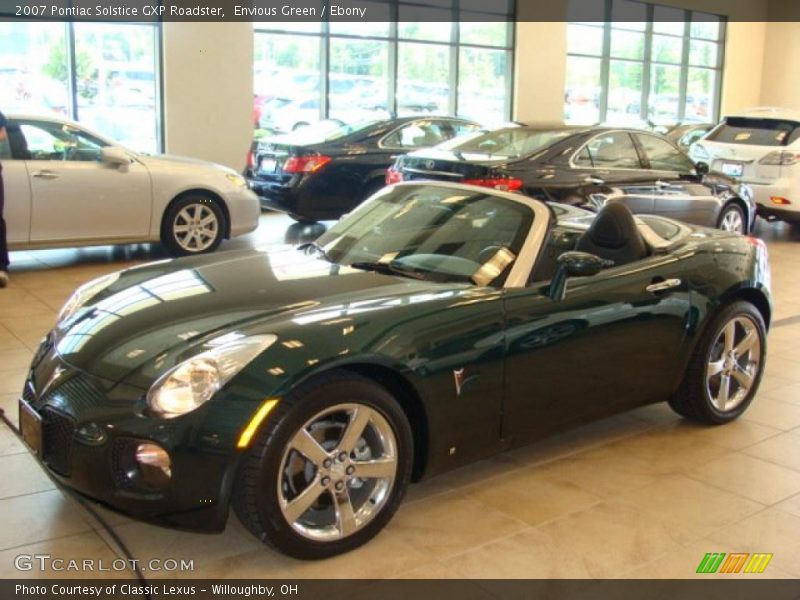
[[166, 160], [173, 306]]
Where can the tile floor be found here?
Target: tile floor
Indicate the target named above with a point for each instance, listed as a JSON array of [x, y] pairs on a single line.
[[640, 495]]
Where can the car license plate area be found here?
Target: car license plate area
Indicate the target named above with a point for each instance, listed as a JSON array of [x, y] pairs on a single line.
[[30, 424], [732, 169], [267, 165]]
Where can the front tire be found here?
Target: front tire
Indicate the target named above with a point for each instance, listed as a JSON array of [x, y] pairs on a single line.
[[329, 468], [194, 224], [726, 368]]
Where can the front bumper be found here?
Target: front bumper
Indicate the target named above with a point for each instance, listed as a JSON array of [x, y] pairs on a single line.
[[245, 212], [203, 466]]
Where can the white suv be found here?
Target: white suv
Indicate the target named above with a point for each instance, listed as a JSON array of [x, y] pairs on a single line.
[[759, 147]]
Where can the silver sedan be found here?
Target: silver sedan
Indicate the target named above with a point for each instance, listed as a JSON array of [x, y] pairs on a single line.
[[68, 186]]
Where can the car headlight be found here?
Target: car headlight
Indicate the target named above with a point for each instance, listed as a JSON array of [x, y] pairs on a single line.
[[194, 382], [236, 180], [85, 293]]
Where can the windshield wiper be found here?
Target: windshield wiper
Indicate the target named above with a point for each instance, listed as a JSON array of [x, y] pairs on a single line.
[[318, 248], [390, 268]]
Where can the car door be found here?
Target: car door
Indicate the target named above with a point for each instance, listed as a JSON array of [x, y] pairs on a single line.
[[611, 344], [609, 168], [17, 189], [679, 192], [77, 196]]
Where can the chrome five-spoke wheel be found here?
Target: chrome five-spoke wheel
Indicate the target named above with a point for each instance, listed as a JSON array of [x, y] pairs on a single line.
[[328, 469], [337, 471], [733, 363], [725, 370]]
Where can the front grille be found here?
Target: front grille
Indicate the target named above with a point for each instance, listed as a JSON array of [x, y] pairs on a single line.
[[76, 394], [57, 436]]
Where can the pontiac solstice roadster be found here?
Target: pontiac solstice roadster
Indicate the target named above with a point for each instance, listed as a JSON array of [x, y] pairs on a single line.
[[435, 325]]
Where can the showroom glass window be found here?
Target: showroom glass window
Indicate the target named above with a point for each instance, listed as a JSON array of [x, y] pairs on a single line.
[[630, 62], [105, 75], [421, 57]]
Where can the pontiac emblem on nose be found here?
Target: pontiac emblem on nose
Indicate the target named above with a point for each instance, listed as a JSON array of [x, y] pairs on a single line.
[[429, 164]]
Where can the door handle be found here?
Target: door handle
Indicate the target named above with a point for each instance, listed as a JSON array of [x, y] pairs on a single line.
[[594, 180], [46, 174], [663, 184], [662, 286]]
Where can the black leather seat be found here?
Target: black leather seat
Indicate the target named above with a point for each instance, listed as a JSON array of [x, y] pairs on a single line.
[[613, 235]]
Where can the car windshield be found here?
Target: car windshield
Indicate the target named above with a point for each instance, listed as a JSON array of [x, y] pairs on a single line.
[[755, 131], [324, 131], [432, 232], [504, 143]]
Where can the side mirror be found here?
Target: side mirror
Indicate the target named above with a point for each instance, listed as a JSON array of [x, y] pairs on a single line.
[[575, 264], [702, 168], [115, 155]]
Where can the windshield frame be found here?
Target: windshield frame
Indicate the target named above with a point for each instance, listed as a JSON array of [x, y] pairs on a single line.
[[533, 241]]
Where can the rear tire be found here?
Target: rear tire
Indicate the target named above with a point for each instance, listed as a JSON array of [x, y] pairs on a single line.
[[194, 224], [732, 219], [298, 488], [726, 367]]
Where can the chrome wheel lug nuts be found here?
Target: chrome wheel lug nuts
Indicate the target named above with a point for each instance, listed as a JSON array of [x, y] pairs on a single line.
[[350, 470], [325, 481], [327, 463], [342, 456], [339, 486]]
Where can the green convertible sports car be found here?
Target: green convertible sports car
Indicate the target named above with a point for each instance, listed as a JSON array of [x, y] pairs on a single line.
[[435, 325]]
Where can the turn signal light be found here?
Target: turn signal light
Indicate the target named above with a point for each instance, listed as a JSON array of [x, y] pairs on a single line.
[[393, 176], [305, 164], [506, 184], [780, 200]]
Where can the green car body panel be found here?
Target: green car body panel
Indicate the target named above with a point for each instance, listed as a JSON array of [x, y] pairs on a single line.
[[476, 369]]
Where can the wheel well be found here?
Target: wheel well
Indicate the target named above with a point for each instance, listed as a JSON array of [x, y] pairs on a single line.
[[757, 299], [204, 192], [409, 401]]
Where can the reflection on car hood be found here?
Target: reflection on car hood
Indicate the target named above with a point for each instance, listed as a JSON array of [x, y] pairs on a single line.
[[160, 307], [169, 159]]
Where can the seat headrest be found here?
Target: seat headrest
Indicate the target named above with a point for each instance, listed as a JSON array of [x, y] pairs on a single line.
[[614, 226]]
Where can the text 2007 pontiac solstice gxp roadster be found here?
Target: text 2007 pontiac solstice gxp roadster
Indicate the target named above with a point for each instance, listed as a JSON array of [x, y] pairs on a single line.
[[435, 325]]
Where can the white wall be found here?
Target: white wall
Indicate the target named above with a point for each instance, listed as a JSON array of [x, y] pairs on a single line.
[[208, 91], [781, 81]]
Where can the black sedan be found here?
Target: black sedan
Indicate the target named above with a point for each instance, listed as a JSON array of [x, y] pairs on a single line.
[[325, 170], [588, 166], [436, 325]]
